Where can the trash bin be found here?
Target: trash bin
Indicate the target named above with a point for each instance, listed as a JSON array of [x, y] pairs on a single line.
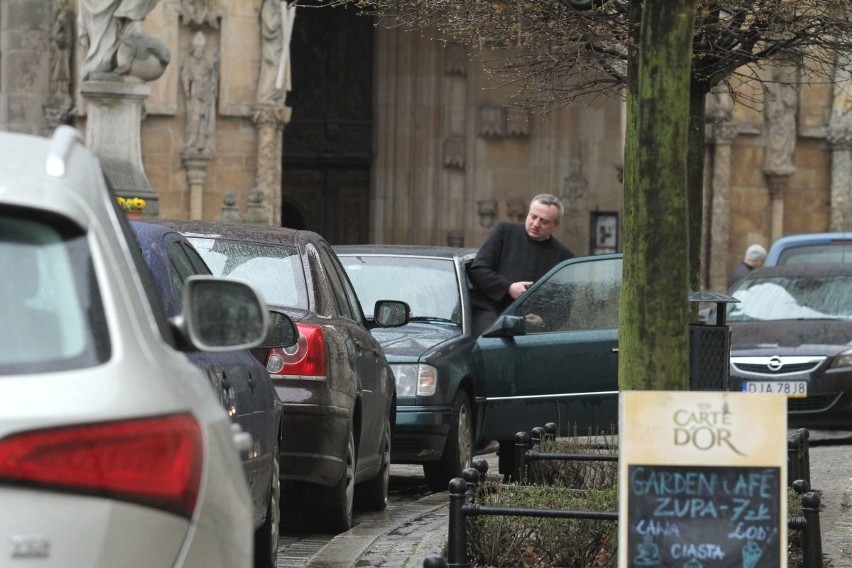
[[710, 346]]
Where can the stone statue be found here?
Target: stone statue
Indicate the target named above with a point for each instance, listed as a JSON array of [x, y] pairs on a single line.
[[841, 108], [116, 46], [61, 41], [198, 77], [780, 111], [276, 29]]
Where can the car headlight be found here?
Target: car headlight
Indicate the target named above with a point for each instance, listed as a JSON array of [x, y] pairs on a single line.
[[842, 360], [415, 380]]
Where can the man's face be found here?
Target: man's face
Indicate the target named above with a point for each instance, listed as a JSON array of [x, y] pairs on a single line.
[[541, 221]]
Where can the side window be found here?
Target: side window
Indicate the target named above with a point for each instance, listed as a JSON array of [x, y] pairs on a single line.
[[337, 287], [198, 262], [580, 296], [183, 267]]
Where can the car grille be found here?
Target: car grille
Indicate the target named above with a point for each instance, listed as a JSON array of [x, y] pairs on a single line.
[[812, 403], [774, 366]]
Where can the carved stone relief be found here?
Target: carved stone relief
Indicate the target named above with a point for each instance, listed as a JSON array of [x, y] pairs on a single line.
[[492, 121], [517, 122], [200, 12], [455, 60], [486, 211], [516, 209], [454, 152]]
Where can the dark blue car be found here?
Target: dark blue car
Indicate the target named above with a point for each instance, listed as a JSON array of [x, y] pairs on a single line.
[[241, 381]]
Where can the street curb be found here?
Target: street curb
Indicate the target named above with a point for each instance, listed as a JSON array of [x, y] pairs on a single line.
[[344, 550]]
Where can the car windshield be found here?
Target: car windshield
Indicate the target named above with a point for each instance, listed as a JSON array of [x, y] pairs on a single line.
[[428, 285], [275, 270], [53, 318], [805, 296]]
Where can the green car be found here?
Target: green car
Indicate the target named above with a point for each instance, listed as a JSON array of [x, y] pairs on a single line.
[[552, 356]]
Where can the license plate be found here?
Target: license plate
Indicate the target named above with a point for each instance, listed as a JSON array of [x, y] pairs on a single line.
[[793, 389]]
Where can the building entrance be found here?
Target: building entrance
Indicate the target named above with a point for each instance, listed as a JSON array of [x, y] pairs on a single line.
[[328, 144]]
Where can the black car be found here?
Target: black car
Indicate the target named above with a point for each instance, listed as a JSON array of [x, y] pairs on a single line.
[[432, 356], [242, 382], [336, 385], [791, 334]]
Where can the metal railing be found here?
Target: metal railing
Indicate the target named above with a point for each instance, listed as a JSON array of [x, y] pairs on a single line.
[[462, 493]]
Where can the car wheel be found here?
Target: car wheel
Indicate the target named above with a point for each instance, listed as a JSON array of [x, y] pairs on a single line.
[[330, 510], [267, 535], [458, 450], [372, 495]]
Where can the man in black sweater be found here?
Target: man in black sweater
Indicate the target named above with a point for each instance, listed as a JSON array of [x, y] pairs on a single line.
[[513, 256]]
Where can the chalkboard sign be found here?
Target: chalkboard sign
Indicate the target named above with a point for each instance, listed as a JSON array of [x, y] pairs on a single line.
[[704, 517]]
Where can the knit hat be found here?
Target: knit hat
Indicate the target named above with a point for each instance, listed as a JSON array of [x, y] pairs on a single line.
[[755, 253]]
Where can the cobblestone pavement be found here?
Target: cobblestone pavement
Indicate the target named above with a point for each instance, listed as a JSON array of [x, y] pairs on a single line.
[[831, 476]]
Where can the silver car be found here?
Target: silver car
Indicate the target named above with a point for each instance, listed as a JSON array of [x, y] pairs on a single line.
[[114, 450]]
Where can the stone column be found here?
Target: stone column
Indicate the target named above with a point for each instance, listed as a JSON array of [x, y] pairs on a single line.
[[723, 135], [839, 137], [777, 184], [270, 122], [195, 161], [113, 125]]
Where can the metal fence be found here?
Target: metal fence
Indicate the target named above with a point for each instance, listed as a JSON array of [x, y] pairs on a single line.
[[462, 493]]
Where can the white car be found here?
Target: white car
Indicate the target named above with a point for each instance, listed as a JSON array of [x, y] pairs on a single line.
[[114, 450]]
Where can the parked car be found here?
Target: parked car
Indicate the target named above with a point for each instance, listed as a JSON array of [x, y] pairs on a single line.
[[437, 378], [114, 450], [336, 385], [810, 248], [240, 380], [791, 333], [515, 376]]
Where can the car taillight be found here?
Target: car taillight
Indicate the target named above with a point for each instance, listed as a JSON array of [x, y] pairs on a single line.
[[306, 358], [152, 461]]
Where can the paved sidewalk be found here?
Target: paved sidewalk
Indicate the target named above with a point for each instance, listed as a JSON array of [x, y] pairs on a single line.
[[831, 475], [419, 531]]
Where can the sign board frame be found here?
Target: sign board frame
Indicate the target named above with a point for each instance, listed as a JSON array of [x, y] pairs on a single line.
[[702, 480]]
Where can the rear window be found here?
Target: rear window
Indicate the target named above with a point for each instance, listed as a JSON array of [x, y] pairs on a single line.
[[276, 271], [53, 317], [828, 253]]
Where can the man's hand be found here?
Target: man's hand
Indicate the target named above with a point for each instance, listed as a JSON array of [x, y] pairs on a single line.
[[518, 288], [534, 321]]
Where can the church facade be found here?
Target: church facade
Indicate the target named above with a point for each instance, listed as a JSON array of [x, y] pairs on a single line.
[[328, 120]]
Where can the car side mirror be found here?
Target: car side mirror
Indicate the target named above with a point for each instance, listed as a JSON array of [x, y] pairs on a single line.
[[221, 314], [506, 326], [391, 313], [282, 331]]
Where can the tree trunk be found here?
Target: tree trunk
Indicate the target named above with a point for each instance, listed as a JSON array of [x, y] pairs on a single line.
[[655, 313]]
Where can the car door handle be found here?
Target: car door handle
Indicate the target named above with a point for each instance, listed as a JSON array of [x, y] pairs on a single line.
[[614, 349], [251, 381]]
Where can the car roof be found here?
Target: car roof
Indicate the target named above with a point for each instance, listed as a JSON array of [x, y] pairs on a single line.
[[56, 174], [804, 239], [834, 269], [405, 250], [240, 231]]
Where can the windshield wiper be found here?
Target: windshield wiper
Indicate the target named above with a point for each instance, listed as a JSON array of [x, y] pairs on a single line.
[[432, 319]]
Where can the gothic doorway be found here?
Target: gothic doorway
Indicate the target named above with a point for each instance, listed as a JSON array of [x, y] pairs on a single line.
[[327, 149]]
